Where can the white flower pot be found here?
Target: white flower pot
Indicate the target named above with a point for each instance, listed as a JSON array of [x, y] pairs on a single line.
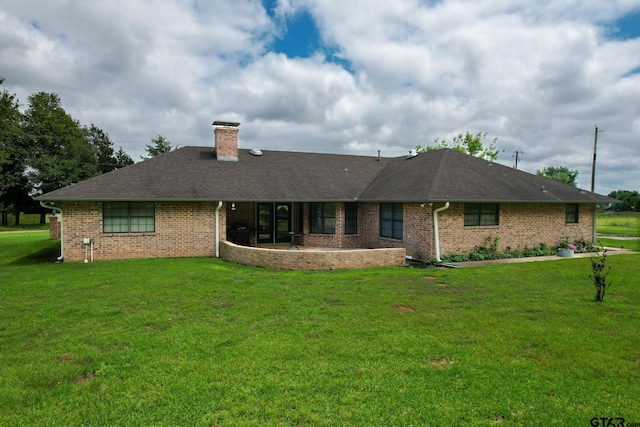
[[565, 252]]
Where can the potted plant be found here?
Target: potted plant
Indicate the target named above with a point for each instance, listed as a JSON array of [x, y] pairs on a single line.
[[566, 249]]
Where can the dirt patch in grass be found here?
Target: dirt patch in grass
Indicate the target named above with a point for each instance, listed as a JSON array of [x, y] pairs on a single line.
[[86, 378], [403, 308], [441, 363], [67, 357]]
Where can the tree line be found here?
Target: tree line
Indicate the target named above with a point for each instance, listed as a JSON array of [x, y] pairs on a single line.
[[44, 149], [630, 200]]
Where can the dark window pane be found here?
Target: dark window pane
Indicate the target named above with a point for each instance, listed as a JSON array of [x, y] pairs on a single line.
[[125, 217]]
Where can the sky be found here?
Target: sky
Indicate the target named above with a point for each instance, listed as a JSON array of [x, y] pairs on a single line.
[[345, 77]]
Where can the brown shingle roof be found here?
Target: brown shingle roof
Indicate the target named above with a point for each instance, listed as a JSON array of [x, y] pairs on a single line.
[[450, 176], [192, 173]]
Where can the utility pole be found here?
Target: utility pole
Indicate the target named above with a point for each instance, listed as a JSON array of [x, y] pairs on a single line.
[[593, 166], [516, 155], [593, 182]]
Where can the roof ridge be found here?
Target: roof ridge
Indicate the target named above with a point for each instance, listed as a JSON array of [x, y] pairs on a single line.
[[388, 161], [436, 174]]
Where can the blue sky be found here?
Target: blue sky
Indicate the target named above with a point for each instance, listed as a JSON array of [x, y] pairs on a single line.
[[627, 27], [344, 77], [298, 35]]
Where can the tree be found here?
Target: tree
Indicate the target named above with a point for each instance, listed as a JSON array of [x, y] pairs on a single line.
[[468, 143], [160, 146], [122, 159], [630, 200], [105, 156], [14, 187], [107, 159], [560, 174], [59, 153]]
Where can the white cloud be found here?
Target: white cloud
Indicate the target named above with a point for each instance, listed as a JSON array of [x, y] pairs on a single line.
[[538, 76]]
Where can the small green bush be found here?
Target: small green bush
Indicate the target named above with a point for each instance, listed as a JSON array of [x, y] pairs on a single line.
[[599, 272]]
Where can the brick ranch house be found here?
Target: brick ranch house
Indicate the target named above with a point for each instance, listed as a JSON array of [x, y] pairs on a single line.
[[244, 205]]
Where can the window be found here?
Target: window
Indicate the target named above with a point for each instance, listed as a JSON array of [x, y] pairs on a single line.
[[481, 214], [322, 218], [350, 218], [128, 217], [391, 220], [571, 213]]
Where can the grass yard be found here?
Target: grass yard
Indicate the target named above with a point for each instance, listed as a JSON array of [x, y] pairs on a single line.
[[27, 222], [633, 245], [620, 223], [203, 342]]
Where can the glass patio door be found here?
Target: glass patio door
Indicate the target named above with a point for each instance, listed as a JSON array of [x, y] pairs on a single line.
[[274, 222]]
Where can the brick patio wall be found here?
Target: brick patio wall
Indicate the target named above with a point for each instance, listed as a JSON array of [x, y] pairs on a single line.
[[292, 259], [181, 230]]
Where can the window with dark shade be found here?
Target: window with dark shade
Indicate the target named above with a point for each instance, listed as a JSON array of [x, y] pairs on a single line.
[[391, 221], [350, 218], [128, 217], [322, 218], [477, 214], [571, 213]]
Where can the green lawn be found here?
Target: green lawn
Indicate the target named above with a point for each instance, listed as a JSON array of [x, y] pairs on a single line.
[[633, 245], [620, 223], [203, 342], [27, 222]]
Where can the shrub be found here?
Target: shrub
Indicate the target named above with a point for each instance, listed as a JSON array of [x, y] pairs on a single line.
[[582, 246], [599, 272]]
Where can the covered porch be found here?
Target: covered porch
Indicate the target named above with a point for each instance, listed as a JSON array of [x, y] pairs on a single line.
[[301, 224], [313, 235]]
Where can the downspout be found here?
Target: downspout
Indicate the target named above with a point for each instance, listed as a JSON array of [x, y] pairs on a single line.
[[218, 228], [435, 229], [52, 207]]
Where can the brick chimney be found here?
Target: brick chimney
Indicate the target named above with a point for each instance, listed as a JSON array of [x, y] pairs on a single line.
[[226, 140]]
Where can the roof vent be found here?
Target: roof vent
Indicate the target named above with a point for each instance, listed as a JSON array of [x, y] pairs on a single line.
[[412, 154], [255, 152]]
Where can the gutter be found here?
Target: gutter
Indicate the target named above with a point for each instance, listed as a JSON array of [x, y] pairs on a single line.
[[218, 228], [55, 208], [435, 229]]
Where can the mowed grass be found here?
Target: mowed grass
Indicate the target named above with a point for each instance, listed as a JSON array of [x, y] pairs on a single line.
[[27, 222], [633, 245], [204, 342], [619, 223]]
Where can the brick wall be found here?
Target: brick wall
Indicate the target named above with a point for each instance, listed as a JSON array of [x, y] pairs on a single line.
[[417, 229], [188, 229], [181, 230], [521, 225], [311, 259], [54, 228], [226, 143]]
